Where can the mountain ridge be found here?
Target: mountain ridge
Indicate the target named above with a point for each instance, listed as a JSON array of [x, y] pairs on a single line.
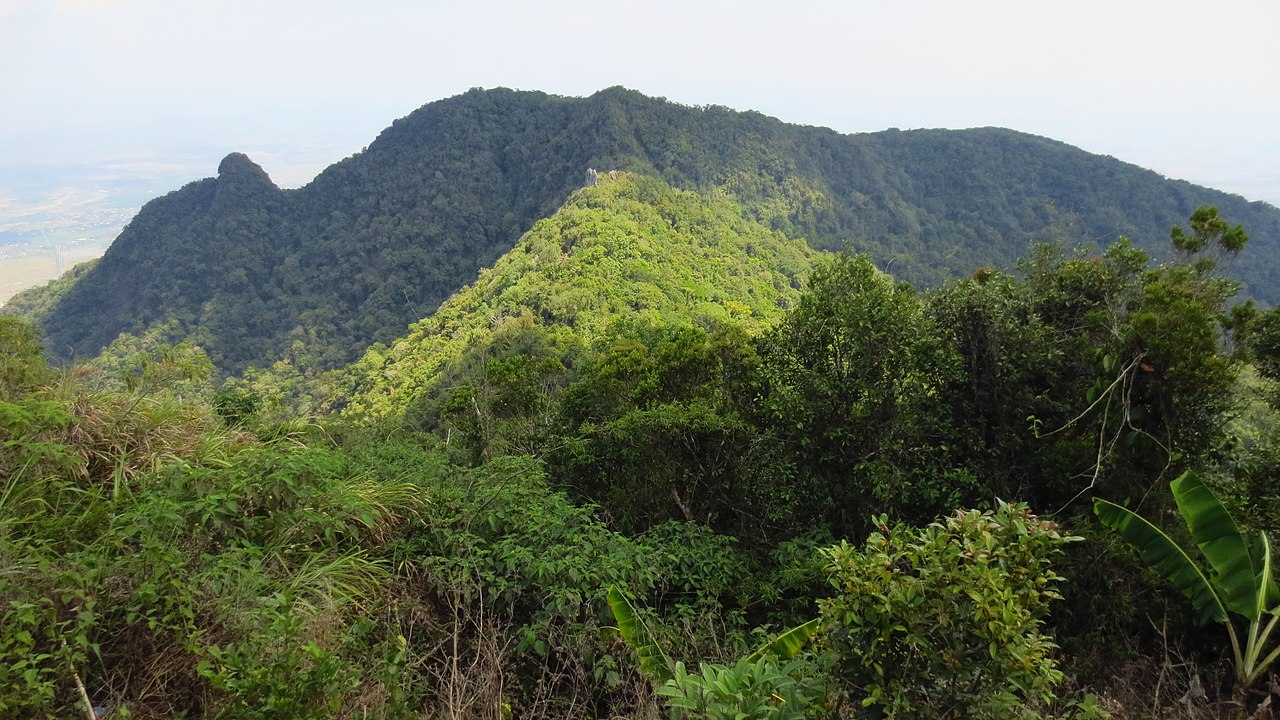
[[381, 238]]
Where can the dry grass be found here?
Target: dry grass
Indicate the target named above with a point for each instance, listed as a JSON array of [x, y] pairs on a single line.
[[120, 436]]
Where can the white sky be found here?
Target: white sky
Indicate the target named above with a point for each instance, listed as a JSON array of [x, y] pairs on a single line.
[[1190, 89]]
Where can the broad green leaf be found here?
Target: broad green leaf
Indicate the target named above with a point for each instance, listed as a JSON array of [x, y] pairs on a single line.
[[787, 645], [1224, 546], [1164, 556], [653, 662], [1268, 597]]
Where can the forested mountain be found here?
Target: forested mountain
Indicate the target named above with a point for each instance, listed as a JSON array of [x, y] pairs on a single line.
[[380, 239]]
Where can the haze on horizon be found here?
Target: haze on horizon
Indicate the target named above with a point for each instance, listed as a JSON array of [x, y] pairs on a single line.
[[158, 89]]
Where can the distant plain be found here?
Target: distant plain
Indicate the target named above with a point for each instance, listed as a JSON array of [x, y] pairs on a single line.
[[19, 273]]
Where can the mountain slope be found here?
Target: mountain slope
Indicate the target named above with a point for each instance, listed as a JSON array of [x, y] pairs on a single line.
[[382, 238], [631, 246]]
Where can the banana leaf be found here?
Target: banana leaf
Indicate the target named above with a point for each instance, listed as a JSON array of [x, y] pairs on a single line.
[[653, 662], [787, 645], [1215, 532], [1165, 557], [1268, 593]]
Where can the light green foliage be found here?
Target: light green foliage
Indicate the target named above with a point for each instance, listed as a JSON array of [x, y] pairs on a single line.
[[530, 556], [634, 631], [22, 365], [1209, 231], [248, 577], [498, 398], [32, 424], [760, 689], [520, 560], [1253, 490], [627, 247], [155, 363], [756, 687], [153, 547], [946, 621], [236, 407], [279, 672], [1243, 577], [287, 393], [148, 551]]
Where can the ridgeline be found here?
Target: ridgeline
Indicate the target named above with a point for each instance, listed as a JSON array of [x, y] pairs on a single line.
[[379, 240]]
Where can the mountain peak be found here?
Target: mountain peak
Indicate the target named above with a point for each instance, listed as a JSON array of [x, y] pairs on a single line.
[[238, 167]]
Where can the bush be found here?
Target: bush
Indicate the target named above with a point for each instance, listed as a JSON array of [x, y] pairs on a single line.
[[945, 621]]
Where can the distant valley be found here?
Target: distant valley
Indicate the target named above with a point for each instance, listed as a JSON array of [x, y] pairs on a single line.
[[49, 224]]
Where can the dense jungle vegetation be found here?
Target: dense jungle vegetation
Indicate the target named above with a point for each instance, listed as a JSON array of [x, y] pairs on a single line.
[[662, 460], [314, 276]]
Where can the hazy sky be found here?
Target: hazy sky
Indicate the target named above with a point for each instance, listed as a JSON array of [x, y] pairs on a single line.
[[1191, 90]]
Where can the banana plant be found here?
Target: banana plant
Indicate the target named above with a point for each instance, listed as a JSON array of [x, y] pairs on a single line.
[[655, 664], [1241, 580]]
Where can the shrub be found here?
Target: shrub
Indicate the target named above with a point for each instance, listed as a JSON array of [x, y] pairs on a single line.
[[945, 621]]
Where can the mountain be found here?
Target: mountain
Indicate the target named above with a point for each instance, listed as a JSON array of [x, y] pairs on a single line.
[[627, 247], [380, 239]]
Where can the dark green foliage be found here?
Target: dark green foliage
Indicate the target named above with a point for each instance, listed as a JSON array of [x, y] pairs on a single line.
[[236, 407], [693, 430], [1087, 372], [306, 583], [1265, 344], [652, 432], [521, 562], [317, 275], [848, 392], [1013, 364]]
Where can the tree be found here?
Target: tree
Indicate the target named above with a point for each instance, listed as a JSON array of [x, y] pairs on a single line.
[[1093, 373], [848, 391], [22, 364], [651, 430]]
